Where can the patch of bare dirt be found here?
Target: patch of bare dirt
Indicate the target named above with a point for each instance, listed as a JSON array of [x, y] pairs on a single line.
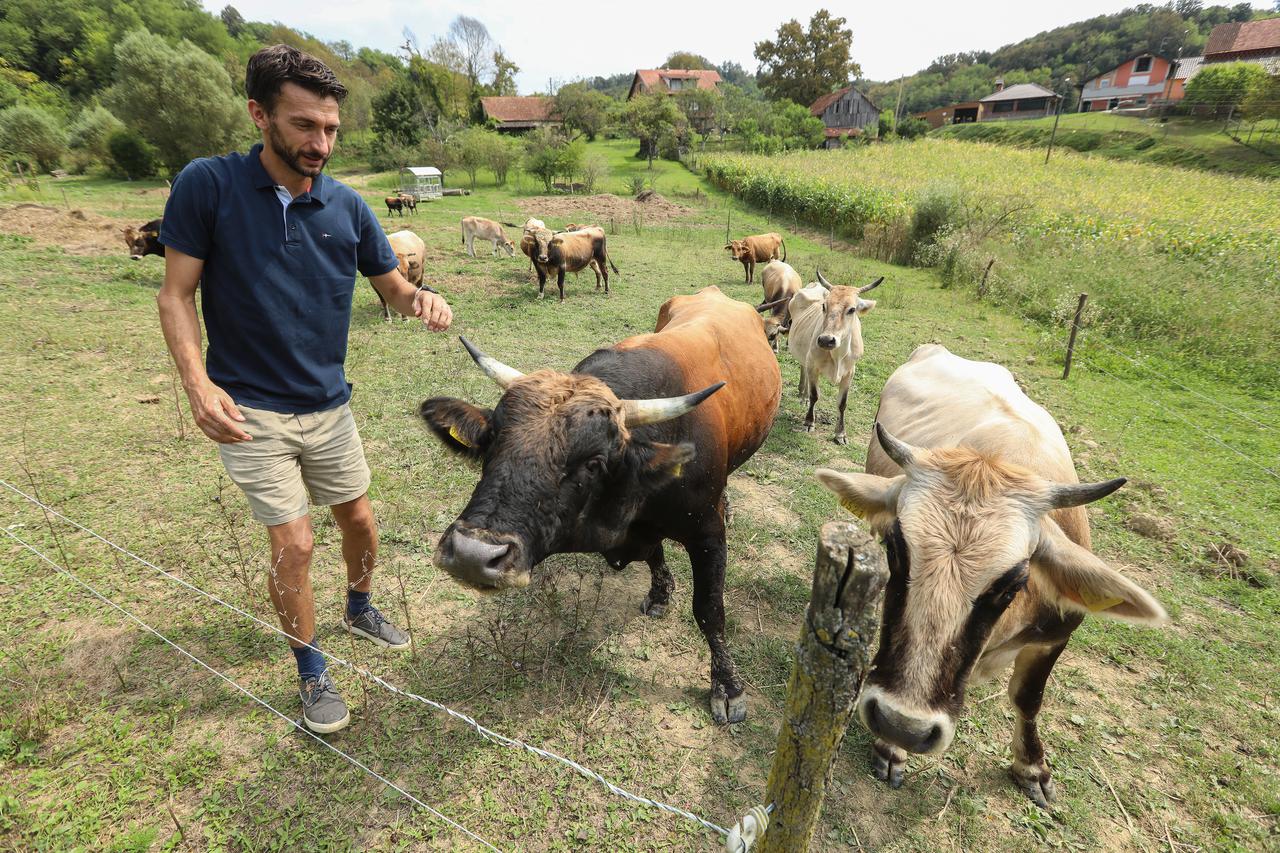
[[765, 504], [75, 231], [603, 208]]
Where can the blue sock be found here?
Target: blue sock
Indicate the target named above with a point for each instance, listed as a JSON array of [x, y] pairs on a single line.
[[310, 662], [357, 602]]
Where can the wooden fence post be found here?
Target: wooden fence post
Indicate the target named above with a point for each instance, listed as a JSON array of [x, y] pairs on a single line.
[[1075, 327], [982, 285], [832, 658]]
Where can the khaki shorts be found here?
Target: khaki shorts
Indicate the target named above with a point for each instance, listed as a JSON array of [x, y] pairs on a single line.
[[293, 455]]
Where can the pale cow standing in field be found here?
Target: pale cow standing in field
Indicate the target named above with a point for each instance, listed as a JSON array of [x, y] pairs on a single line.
[[781, 282], [474, 227], [411, 253], [826, 338], [974, 492], [756, 249]]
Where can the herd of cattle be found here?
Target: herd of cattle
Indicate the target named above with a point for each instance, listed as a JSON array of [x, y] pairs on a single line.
[[969, 483]]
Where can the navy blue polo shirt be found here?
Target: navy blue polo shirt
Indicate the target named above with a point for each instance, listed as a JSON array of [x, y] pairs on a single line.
[[277, 283]]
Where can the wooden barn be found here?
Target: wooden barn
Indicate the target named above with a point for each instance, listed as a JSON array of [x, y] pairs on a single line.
[[952, 114], [845, 112], [520, 114]]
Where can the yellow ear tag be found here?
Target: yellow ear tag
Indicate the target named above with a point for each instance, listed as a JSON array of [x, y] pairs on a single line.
[[457, 436], [853, 508], [1097, 604], [678, 470]]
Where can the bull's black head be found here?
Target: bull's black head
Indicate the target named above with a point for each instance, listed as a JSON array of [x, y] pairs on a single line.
[[562, 469], [144, 240]]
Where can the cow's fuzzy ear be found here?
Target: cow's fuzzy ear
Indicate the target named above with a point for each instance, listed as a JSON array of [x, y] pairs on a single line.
[[865, 495], [865, 305], [1073, 578], [460, 426]]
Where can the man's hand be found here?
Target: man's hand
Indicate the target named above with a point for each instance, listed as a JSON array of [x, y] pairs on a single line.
[[435, 312], [216, 414]]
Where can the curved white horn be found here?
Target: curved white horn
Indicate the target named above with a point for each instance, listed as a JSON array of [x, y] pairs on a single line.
[[822, 281], [1063, 495], [899, 451], [872, 286], [494, 369], [640, 412]]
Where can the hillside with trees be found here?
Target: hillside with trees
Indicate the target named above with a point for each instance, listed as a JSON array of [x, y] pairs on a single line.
[[1080, 51]]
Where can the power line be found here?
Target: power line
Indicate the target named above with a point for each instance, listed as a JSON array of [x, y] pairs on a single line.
[[299, 726]]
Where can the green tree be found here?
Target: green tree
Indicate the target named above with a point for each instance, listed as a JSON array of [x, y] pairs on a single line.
[[471, 149], [649, 117], [32, 135], [548, 155], [796, 126], [912, 128], [504, 74], [131, 155], [1224, 86], [802, 65], [91, 131], [702, 108], [397, 115], [503, 154], [152, 78], [1262, 100], [684, 60], [584, 111], [232, 20]]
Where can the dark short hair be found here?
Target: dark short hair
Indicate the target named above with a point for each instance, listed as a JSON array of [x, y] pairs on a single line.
[[272, 67]]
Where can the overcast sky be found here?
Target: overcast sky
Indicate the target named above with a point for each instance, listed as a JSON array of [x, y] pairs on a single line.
[[568, 41]]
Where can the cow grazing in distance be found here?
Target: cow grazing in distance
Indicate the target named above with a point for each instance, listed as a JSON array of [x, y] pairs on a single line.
[[408, 201], [757, 249], [474, 227], [632, 447], [826, 338], [569, 251], [395, 204], [781, 282], [411, 254], [974, 491], [144, 240]]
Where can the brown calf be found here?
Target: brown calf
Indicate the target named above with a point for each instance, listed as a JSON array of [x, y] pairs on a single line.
[[757, 249]]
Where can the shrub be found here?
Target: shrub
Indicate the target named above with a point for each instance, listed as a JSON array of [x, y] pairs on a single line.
[[90, 132], [938, 209], [131, 154], [32, 135], [593, 169], [912, 128]]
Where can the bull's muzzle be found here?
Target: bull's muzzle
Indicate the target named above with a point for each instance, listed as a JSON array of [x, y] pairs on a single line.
[[827, 341], [914, 732], [482, 559]]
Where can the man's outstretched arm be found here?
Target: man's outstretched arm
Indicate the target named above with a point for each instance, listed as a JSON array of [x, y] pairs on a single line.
[[215, 412], [431, 307]]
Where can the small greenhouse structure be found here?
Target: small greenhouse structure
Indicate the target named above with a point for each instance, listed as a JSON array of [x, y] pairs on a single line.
[[422, 182]]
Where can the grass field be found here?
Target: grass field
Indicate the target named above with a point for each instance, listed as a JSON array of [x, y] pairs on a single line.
[[1181, 141], [110, 740], [1172, 259]]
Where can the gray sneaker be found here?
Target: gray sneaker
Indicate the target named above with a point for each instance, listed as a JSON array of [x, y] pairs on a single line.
[[323, 710], [374, 627]]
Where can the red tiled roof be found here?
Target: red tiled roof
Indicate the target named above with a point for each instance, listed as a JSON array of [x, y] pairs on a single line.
[[651, 78], [819, 106], [1249, 35], [523, 109]]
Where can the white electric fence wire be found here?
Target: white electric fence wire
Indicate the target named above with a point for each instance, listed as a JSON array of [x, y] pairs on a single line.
[[299, 726], [487, 733]]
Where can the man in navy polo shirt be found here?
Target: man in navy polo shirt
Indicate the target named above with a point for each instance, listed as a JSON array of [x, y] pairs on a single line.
[[274, 245]]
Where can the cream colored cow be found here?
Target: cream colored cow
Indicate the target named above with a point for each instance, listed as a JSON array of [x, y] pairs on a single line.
[[973, 489], [474, 227]]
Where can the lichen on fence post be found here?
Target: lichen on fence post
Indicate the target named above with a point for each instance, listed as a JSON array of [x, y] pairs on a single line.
[[832, 659]]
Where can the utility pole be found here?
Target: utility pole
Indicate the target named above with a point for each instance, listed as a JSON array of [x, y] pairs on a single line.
[[898, 106], [1056, 117]]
